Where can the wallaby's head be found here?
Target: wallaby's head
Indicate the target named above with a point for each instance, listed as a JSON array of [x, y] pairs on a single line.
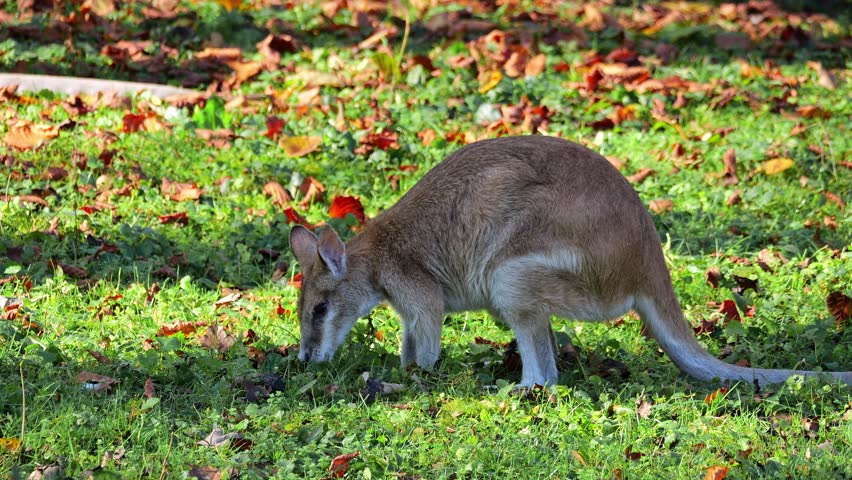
[[331, 298]]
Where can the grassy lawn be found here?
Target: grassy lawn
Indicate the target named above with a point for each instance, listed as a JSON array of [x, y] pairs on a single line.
[[148, 294]]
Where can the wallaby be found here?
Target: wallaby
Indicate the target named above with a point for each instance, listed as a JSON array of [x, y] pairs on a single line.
[[523, 227]]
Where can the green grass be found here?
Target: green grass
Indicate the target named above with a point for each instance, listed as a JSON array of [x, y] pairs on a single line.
[[463, 420]]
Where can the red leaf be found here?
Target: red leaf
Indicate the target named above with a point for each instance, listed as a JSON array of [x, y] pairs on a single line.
[[382, 140], [340, 464], [133, 122], [729, 308], [296, 281], [342, 205], [273, 126], [294, 217]]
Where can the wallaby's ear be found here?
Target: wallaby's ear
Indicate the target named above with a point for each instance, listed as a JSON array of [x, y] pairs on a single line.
[[303, 243], [332, 250]]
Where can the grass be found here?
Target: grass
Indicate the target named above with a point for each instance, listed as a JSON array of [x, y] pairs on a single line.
[[621, 409]]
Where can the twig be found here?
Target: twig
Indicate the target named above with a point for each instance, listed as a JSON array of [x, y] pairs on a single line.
[[166, 459], [23, 410]]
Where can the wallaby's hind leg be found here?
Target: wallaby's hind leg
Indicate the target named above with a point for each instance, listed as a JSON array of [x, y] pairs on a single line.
[[537, 346]]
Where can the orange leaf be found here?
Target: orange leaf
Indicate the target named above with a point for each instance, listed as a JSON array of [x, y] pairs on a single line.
[[340, 464], [279, 195], [341, 206], [133, 122], [179, 191], [729, 308], [300, 146], [296, 281], [312, 189], [180, 327], [294, 217], [24, 135], [10, 444], [716, 473], [709, 399]]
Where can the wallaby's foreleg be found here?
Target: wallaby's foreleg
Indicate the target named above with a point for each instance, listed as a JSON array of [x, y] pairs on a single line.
[[421, 312]]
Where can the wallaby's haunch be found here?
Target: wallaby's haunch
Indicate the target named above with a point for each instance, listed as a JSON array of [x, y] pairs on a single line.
[[523, 227]]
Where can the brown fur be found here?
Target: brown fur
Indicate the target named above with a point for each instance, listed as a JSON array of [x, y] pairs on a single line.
[[523, 227]]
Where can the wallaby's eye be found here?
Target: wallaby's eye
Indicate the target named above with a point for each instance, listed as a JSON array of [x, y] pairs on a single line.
[[320, 309]]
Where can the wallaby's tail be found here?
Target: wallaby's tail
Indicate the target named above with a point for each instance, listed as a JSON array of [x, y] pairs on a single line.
[[664, 319]]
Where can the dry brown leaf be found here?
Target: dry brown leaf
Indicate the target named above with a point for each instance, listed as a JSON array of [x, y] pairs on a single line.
[[217, 338], [641, 175], [95, 382], [716, 473], [824, 77], [100, 357], [300, 146], [244, 71], [340, 464], [279, 194], [730, 161], [535, 66], [661, 205], [179, 191], [180, 327], [25, 135], [840, 307], [312, 191], [149, 391], [813, 111]]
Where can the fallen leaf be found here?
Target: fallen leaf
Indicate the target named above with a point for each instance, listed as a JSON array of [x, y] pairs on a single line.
[[10, 444], [535, 66], [95, 382], [279, 194], [488, 80], [69, 270], [149, 391], [228, 299], [300, 146], [35, 199], [179, 217], [296, 281], [25, 135], [840, 307], [217, 338], [100, 357], [824, 77], [716, 473], [661, 205], [208, 473], [640, 176], [776, 165], [343, 205], [218, 438], [714, 276], [631, 455], [579, 458], [185, 328], [812, 111], [312, 191], [243, 71], [274, 125], [730, 161], [643, 407], [711, 397], [729, 308], [179, 192], [340, 464]]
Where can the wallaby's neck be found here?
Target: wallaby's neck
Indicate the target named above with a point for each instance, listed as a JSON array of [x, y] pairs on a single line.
[[363, 258]]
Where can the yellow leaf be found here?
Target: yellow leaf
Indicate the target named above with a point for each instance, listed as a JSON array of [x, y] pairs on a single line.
[[300, 146], [10, 444], [776, 165], [489, 80]]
